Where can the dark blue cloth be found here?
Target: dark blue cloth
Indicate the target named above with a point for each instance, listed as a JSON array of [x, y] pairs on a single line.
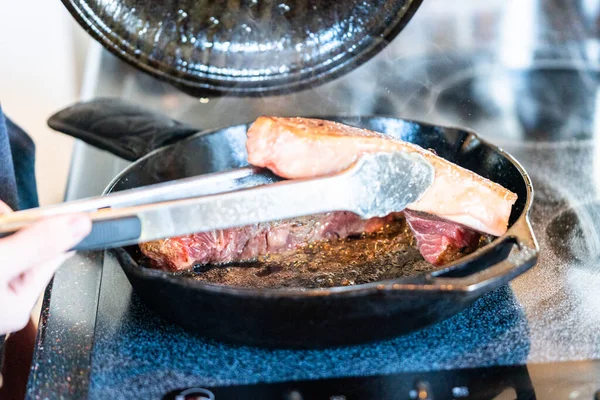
[[8, 184], [18, 187], [23, 155]]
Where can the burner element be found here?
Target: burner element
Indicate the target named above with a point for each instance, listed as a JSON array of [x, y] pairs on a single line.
[[539, 104], [575, 233]]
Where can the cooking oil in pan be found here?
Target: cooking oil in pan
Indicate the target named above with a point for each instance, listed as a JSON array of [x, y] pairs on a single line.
[[386, 254]]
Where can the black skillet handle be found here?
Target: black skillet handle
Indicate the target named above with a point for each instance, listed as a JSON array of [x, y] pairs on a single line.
[[107, 233], [123, 129], [478, 274]]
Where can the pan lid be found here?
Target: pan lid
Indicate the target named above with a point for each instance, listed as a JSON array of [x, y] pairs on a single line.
[[244, 47]]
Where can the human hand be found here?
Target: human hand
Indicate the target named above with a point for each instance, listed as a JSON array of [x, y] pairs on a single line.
[[28, 260]]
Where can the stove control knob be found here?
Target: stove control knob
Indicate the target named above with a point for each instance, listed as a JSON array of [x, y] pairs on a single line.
[[195, 394], [422, 391], [460, 392], [294, 395]]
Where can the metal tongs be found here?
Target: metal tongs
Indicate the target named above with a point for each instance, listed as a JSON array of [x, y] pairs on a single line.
[[374, 186]]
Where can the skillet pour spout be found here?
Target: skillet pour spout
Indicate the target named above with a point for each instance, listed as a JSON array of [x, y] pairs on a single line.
[[316, 318]]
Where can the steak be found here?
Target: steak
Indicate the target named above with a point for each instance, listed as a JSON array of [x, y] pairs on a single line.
[[441, 241], [304, 148], [447, 221], [250, 242]]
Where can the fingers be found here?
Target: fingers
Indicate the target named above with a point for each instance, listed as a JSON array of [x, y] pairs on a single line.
[[18, 296], [36, 278], [28, 286], [28, 260], [14, 317], [40, 243], [4, 208]]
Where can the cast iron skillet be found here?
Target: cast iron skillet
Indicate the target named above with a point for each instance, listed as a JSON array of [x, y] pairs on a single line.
[[244, 47], [313, 317]]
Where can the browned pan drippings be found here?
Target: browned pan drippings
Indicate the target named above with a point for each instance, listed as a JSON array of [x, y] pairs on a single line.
[[387, 254]]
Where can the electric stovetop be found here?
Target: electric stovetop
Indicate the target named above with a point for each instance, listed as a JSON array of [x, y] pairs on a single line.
[[538, 337]]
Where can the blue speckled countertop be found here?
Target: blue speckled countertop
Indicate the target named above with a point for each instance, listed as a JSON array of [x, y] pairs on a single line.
[[140, 353]]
